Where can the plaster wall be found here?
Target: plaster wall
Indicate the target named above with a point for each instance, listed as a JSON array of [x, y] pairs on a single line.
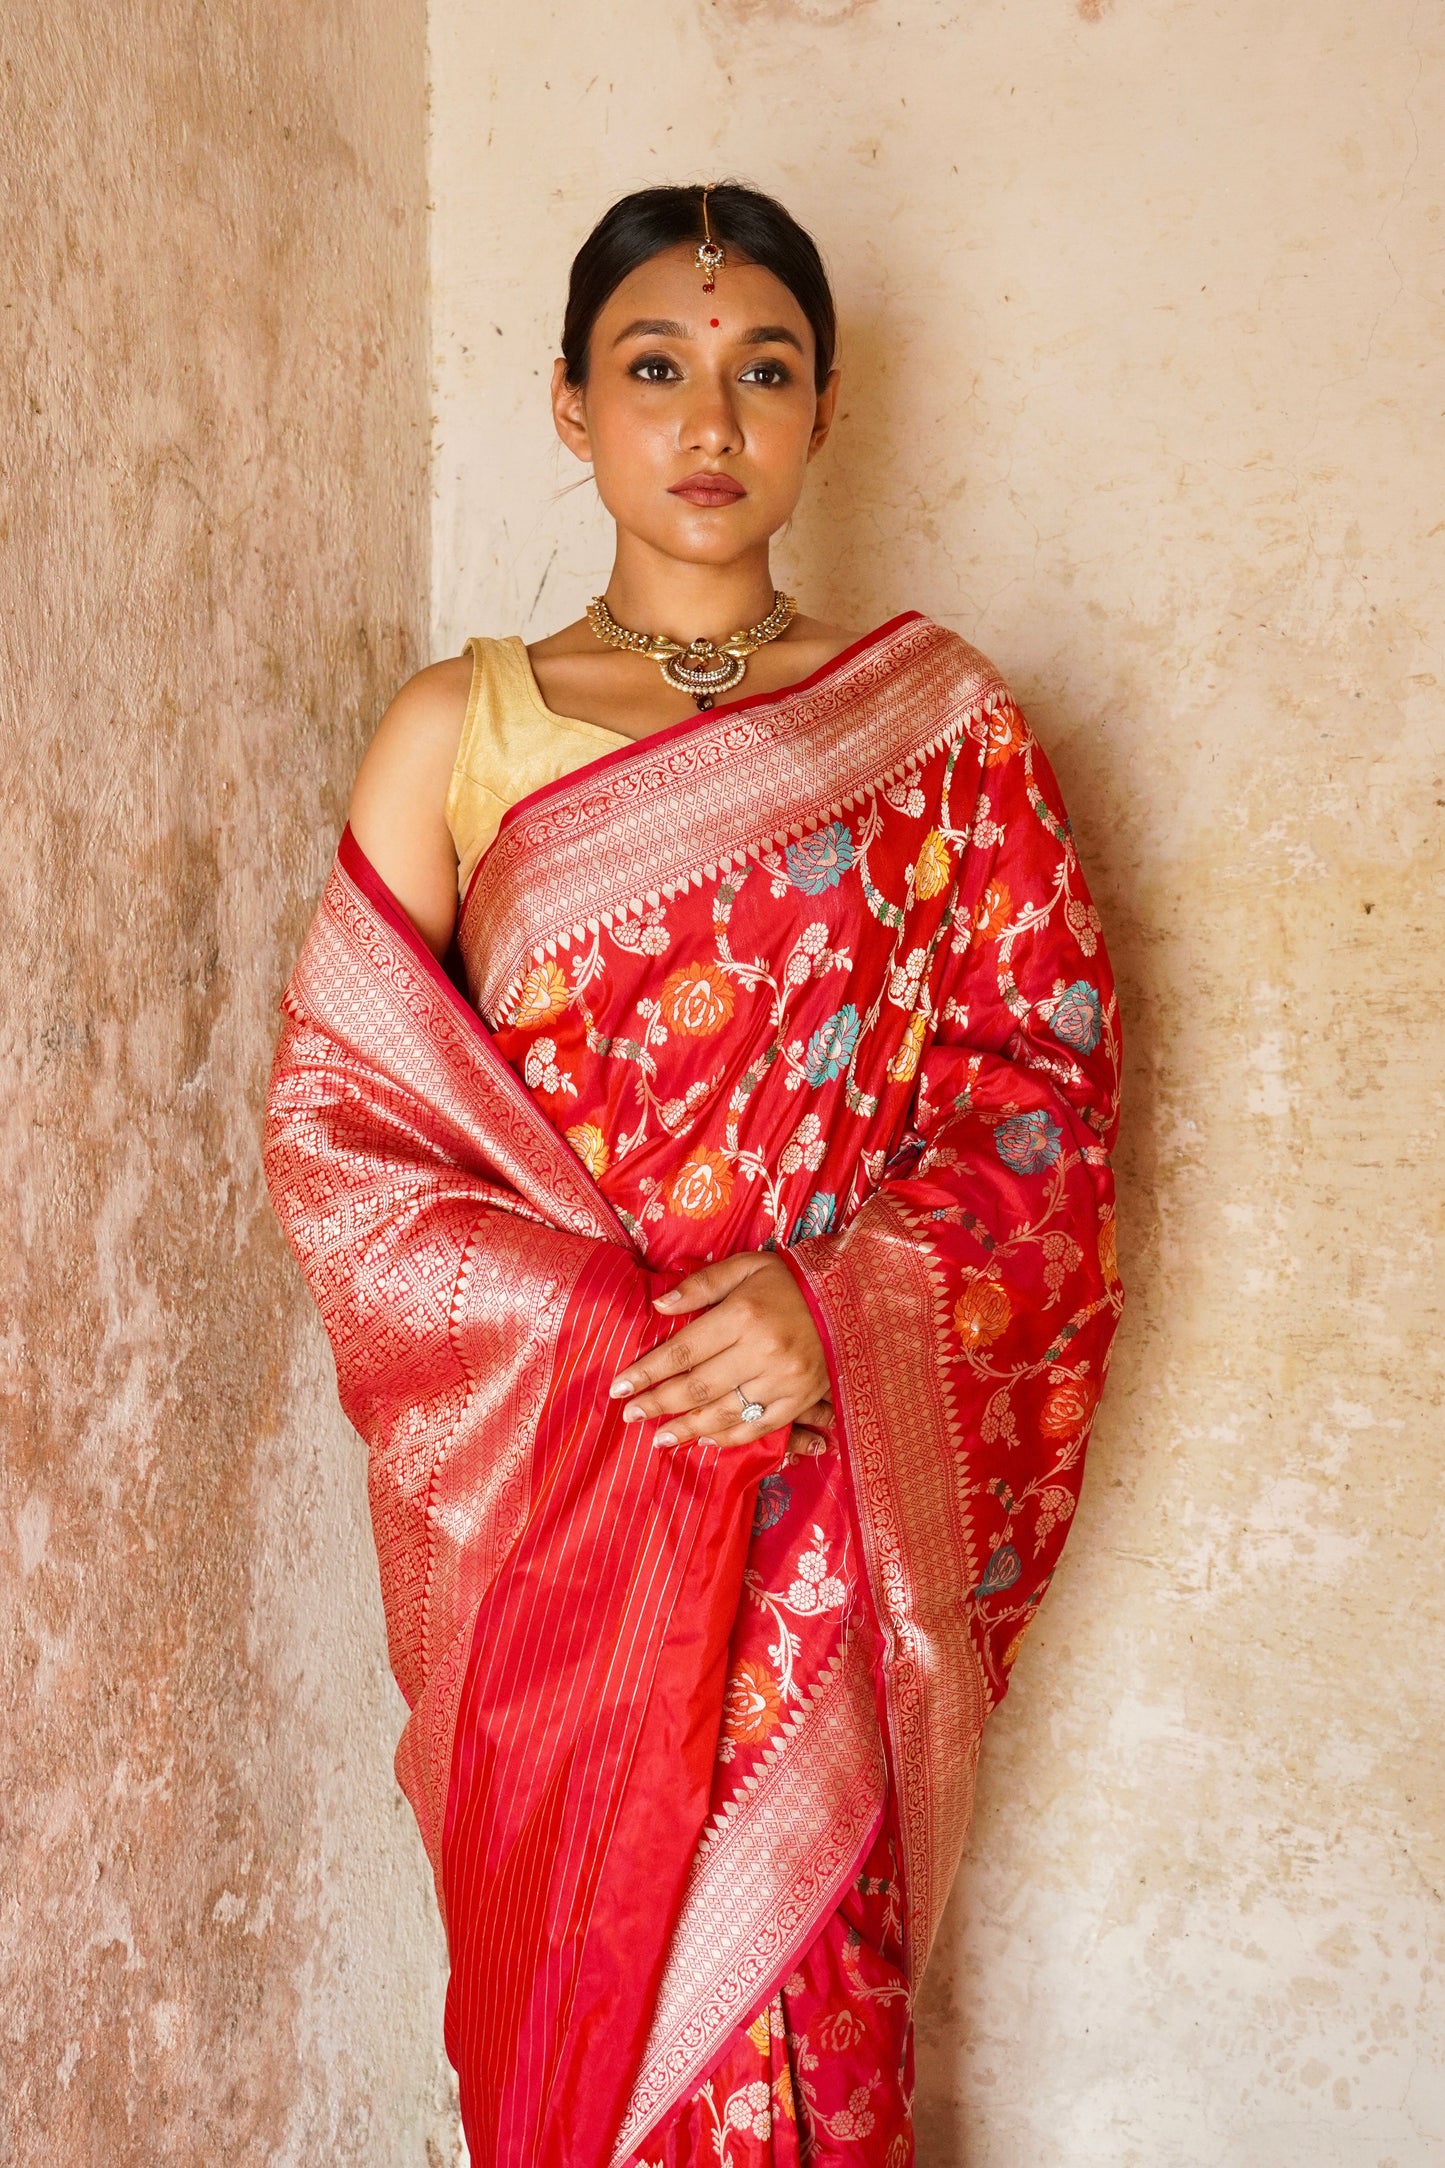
[[1143, 333], [217, 1938]]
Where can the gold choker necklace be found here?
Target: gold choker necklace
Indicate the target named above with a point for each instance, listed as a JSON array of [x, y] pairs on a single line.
[[703, 668]]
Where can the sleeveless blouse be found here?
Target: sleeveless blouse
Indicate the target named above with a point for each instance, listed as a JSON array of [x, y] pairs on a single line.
[[511, 744]]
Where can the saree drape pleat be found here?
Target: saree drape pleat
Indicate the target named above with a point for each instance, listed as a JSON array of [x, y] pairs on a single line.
[[819, 973]]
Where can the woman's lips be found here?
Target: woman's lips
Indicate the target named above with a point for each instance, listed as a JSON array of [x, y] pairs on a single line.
[[710, 489]]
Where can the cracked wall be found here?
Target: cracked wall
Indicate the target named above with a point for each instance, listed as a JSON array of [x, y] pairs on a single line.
[[219, 1941], [1142, 331]]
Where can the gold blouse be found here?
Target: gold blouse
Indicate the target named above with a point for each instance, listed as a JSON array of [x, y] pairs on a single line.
[[511, 744]]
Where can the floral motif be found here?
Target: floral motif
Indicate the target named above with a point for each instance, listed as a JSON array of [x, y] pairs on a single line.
[[819, 861], [1078, 1017], [590, 1145], [544, 995], [752, 1703], [904, 1062], [931, 873], [982, 1313], [702, 1185], [1002, 1570], [775, 1495], [1067, 1408], [816, 1217], [1028, 1142], [1109, 1248], [1002, 731], [542, 1071], [831, 1047], [697, 999], [991, 912]]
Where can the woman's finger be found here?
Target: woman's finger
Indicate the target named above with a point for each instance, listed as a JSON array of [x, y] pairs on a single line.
[[699, 1340], [720, 1422], [710, 1282]]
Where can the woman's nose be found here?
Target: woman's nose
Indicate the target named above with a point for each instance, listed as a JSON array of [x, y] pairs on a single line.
[[711, 424]]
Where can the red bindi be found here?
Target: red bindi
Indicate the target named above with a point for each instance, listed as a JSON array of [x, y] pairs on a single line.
[[713, 320]]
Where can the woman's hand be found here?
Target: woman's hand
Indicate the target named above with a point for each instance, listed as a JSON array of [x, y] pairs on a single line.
[[757, 1332]]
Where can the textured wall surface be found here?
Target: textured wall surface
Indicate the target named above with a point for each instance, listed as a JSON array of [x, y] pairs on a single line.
[[218, 1936], [1143, 334]]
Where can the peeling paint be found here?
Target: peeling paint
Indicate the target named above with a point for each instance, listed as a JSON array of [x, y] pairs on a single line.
[[218, 1940]]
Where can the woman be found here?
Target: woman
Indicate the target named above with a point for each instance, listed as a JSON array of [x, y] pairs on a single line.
[[693, 1118]]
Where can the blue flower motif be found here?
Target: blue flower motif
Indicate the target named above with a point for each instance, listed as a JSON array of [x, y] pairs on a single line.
[[1002, 1570], [1028, 1142], [775, 1495], [820, 860], [831, 1045], [816, 1217], [1078, 1017]]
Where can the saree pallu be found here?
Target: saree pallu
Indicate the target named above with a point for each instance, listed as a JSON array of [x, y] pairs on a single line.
[[692, 1732]]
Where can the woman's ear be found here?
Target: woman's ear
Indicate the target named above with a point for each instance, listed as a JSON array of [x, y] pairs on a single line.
[[827, 408], [569, 412]]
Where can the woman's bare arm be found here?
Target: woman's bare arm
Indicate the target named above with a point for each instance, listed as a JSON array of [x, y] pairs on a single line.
[[398, 804]]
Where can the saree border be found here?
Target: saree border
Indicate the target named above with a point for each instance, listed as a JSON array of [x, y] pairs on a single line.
[[610, 841], [770, 1865], [907, 1448]]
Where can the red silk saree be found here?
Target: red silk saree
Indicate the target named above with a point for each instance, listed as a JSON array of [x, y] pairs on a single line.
[[692, 1731]]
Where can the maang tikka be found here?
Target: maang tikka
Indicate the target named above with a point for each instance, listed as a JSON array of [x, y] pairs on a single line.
[[710, 257]]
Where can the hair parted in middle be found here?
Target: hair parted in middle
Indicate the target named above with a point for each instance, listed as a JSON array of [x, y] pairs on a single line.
[[751, 226]]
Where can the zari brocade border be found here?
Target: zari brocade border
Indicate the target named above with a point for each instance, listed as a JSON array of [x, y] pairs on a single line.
[[362, 981], [769, 1868], [881, 1304], [642, 823]]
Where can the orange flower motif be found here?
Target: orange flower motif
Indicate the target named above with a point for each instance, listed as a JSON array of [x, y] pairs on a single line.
[[544, 995], [933, 868], [702, 1185], [1068, 1408], [588, 1142], [696, 999], [1007, 1659], [981, 1313], [751, 1703], [910, 1046], [1108, 1250], [990, 913], [1003, 734]]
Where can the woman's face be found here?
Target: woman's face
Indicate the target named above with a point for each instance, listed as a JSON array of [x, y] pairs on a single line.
[[699, 413]]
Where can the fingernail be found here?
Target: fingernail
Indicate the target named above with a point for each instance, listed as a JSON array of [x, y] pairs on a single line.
[[707, 1441], [632, 1415], [665, 1437], [660, 1302], [617, 1388]]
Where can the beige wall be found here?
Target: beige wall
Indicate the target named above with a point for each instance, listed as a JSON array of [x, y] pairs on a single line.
[[218, 1942], [1143, 332]]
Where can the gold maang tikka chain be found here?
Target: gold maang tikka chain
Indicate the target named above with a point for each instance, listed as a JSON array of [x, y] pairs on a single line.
[[710, 257], [703, 668]]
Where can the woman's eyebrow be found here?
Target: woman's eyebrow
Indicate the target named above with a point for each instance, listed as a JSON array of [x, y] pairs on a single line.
[[772, 335], [653, 327]]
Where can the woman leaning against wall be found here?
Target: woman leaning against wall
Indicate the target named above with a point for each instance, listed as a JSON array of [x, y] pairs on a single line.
[[693, 1116]]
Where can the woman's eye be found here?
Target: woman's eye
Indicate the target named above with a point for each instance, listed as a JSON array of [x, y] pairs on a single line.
[[766, 372], [653, 369]]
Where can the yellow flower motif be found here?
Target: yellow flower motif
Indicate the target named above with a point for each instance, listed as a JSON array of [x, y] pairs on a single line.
[[588, 1142], [543, 996], [759, 2032], [932, 871], [910, 1046]]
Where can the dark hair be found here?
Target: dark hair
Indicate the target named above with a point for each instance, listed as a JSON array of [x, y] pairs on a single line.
[[642, 225]]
